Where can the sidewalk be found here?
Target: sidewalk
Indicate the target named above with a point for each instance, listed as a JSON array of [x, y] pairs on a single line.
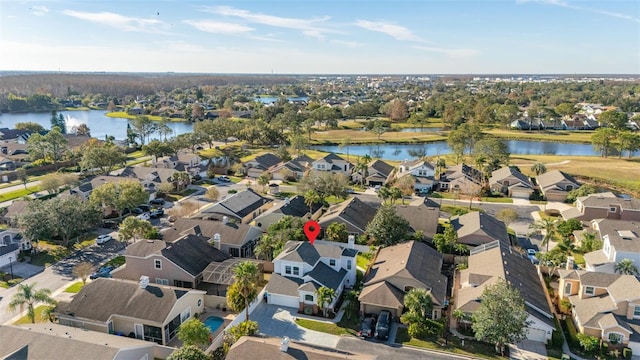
[[58, 295]]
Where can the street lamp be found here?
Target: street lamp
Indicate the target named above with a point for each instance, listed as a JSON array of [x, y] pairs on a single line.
[[11, 266]]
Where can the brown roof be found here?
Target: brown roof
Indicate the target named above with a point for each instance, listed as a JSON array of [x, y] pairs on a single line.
[[421, 217], [269, 348], [230, 233], [16, 208], [477, 222]]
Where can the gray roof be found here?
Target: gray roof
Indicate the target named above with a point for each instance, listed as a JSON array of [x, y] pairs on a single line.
[[283, 285], [102, 298], [421, 217], [296, 207], [300, 164], [157, 175], [605, 201], [242, 203], [623, 235], [508, 171], [331, 157], [16, 208], [551, 178], [325, 275], [301, 251], [266, 160], [353, 212], [230, 233], [478, 222], [9, 249], [381, 167]]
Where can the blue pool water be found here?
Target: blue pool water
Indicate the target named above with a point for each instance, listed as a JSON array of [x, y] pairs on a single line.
[[213, 323]]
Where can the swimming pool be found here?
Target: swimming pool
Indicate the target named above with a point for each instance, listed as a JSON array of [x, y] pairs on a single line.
[[213, 323]]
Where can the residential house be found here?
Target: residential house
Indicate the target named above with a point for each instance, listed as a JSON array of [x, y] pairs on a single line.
[[302, 268], [604, 205], [84, 190], [294, 207], [55, 341], [527, 124], [422, 215], [422, 172], [555, 185], [150, 178], [576, 122], [291, 170], [15, 152], [11, 212], [243, 207], [620, 240], [477, 228], [179, 263], [494, 262], [139, 309], [13, 236], [260, 164], [8, 254], [604, 305], [249, 347], [14, 135], [511, 182], [333, 163], [352, 212], [551, 124], [235, 239], [77, 141], [378, 173], [462, 179], [397, 269], [182, 162]]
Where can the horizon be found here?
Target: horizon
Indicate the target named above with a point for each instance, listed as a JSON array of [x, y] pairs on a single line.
[[322, 37]]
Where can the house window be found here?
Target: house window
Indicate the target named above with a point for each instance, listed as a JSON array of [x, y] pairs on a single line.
[[287, 270], [296, 270], [615, 338], [348, 264], [308, 298], [332, 262], [157, 264], [162, 281], [612, 209], [422, 173], [636, 311], [569, 188], [589, 290], [408, 288], [567, 288]]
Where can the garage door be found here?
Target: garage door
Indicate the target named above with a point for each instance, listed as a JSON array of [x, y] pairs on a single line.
[[283, 300], [520, 194], [635, 347], [536, 335]]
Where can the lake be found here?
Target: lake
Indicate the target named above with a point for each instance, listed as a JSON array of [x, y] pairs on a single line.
[[99, 124], [271, 99], [401, 152]]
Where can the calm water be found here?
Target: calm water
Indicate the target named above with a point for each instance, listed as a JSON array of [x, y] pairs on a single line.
[[412, 151], [99, 124], [270, 100]]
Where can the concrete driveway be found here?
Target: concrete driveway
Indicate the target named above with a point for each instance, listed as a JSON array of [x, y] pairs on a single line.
[[278, 321], [528, 350], [22, 269]]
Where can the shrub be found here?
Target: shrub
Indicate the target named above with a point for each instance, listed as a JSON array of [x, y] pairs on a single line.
[[572, 332], [557, 339], [626, 353]]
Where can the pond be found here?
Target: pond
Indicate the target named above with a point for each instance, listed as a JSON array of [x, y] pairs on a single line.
[[401, 152], [272, 99], [99, 124]]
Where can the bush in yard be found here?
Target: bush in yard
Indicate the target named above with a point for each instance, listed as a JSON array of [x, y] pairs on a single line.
[[556, 338], [626, 353]]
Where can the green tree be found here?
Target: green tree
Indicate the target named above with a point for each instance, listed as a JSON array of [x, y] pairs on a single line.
[[614, 119], [493, 149], [212, 193], [143, 127], [446, 243], [28, 296], [628, 141], [419, 313], [325, 184], [103, 156], [82, 271], [566, 227], [311, 198], [126, 194], [603, 140], [337, 232], [588, 342], [22, 175], [133, 228], [464, 137], [387, 227], [548, 228], [565, 109], [406, 185], [188, 352], [538, 168], [29, 126], [583, 190], [194, 332], [324, 297], [378, 128], [501, 317], [269, 246], [263, 181], [507, 216], [247, 276], [589, 242], [157, 148], [626, 267]]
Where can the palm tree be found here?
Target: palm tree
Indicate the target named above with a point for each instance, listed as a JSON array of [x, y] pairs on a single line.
[[548, 227], [538, 168], [29, 296], [395, 194], [324, 297], [353, 306], [440, 165], [461, 317], [49, 312], [362, 166], [346, 142], [263, 181], [626, 267], [247, 275], [311, 197]]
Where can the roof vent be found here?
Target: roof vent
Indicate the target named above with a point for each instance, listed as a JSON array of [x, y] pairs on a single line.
[[225, 219], [144, 281], [284, 344]]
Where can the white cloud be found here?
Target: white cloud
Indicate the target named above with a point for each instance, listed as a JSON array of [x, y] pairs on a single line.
[[454, 53], [310, 27], [39, 10], [395, 31], [567, 5], [124, 23], [349, 44], [218, 27]]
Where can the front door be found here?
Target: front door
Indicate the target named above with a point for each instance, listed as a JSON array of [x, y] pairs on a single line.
[[139, 331]]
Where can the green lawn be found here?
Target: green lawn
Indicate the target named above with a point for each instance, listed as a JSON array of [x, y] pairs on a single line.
[[49, 255], [504, 200], [75, 287], [17, 194], [116, 261], [38, 316], [344, 327], [471, 348], [362, 262]]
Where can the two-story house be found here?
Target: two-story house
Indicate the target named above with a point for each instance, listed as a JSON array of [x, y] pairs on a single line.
[[178, 263], [477, 228], [150, 178], [511, 182], [138, 309], [462, 179], [353, 212], [604, 205], [378, 173], [243, 207], [291, 170], [260, 164], [620, 240], [302, 268], [180, 162], [294, 207], [495, 262], [604, 305], [397, 269], [332, 163], [555, 185], [422, 172]]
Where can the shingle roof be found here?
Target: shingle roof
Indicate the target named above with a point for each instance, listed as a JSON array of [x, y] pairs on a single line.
[[269, 348], [158, 175], [299, 251], [508, 171], [230, 233], [102, 298], [15, 208], [267, 160], [352, 211], [475, 222], [551, 178], [325, 275], [283, 285], [383, 294], [421, 217], [381, 167], [242, 203], [296, 207]]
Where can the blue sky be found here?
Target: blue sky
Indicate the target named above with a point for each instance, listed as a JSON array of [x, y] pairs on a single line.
[[322, 37]]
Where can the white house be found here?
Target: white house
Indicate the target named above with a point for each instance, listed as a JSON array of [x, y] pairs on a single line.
[[333, 163], [620, 240], [422, 171], [302, 268]]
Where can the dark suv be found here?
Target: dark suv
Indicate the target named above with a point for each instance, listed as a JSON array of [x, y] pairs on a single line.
[[382, 327], [368, 324]]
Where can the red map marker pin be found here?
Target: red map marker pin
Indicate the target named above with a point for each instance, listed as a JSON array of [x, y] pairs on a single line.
[[312, 230]]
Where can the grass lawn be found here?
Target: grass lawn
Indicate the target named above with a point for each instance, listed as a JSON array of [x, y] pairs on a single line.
[[362, 262], [49, 254], [368, 137], [124, 115], [16, 194], [459, 210], [38, 316], [116, 261], [85, 241], [553, 136], [344, 327], [74, 288], [503, 200], [471, 348]]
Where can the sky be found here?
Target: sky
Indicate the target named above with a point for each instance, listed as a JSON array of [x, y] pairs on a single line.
[[322, 37]]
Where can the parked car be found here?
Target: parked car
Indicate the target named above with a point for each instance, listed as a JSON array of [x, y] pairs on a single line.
[[104, 272], [367, 327], [103, 239], [110, 224], [144, 216], [224, 178], [156, 213], [137, 211], [157, 201], [531, 254], [145, 207], [382, 326]]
